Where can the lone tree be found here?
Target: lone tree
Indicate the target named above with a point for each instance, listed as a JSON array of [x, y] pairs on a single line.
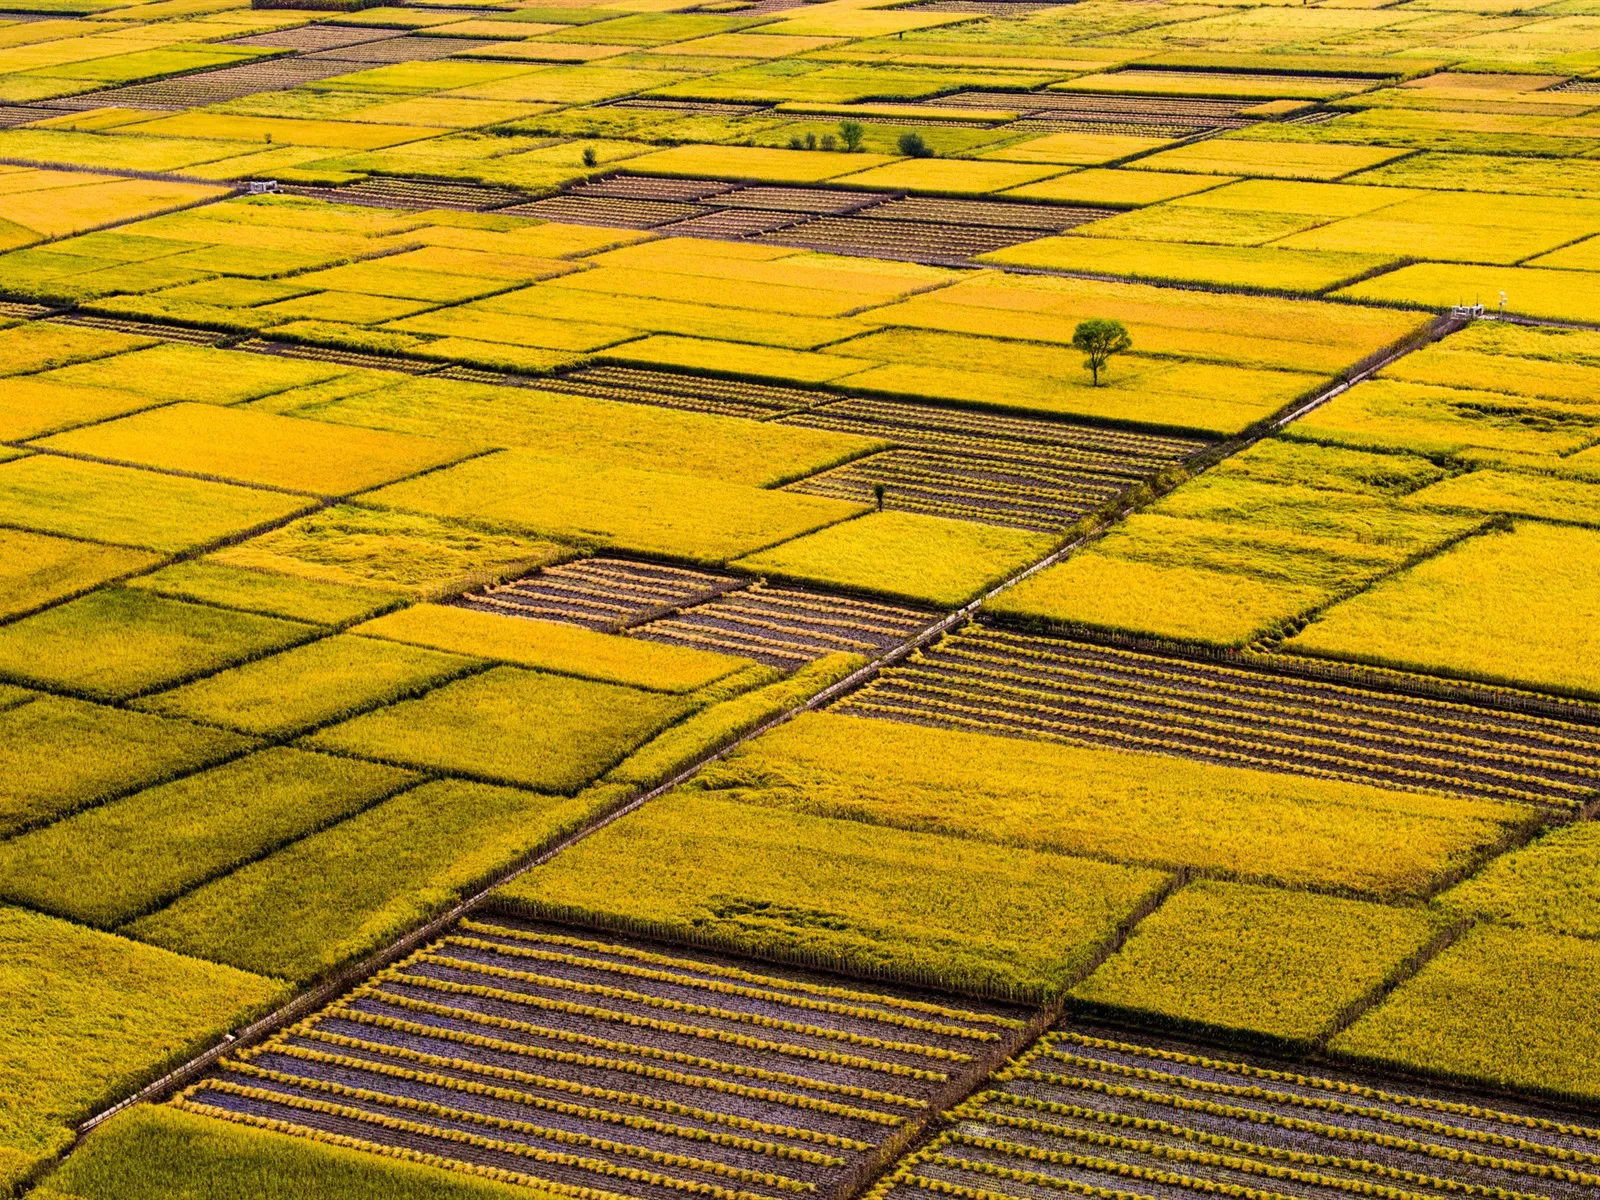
[[1099, 339], [852, 132]]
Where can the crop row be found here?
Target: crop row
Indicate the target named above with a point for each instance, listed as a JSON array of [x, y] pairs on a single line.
[[966, 684], [668, 1027], [370, 1051], [787, 626], [727, 971], [401, 1127], [912, 239], [1217, 1163], [1337, 1087], [1092, 733], [670, 390], [1016, 495], [644, 999], [1089, 1125], [681, 979], [644, 1070], [1336, 1108], [1282, 693], [567, 1137], [491, 1077], [588, 1112], [188, 1103], [1164, 1134], [1182, 709]]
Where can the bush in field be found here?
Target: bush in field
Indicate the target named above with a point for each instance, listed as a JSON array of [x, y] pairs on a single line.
[[912, 146], [1099, 339], [851, 134]]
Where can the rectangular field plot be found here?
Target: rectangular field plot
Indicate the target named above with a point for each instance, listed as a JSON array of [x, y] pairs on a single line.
[[1089, 1111], [582, 1061], [993, 681], [726, 614], [1030, 474], [786, 627], [1155, 810]]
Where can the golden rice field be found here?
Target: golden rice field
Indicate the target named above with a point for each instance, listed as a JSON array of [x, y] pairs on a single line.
[[762, 599]]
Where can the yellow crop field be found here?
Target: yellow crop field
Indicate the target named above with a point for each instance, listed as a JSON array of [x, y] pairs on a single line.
[[260, 448], [551, 646], [1442, 614], [1267, 268], [713, 447], [1271, 160], [798, 535], [619, 507], [1530, 291]]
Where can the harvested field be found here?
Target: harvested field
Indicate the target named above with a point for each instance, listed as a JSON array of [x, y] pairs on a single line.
[[1170, 117], [612, 212], [821, 201], [736, 223], [786, 627], [998, 682], [992, 213], [586, 1064], [647, 187], [409, 48], [396, 192], [1089, 1111], [306, 39], [699, 108], [214, 87], [607, 594], [167, 333], [780, 627], [727, 397], [1030, 474], [915, 240]]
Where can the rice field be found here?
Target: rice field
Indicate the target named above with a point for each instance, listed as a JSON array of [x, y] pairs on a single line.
[[613, 597]]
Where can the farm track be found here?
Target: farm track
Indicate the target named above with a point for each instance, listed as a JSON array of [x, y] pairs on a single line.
[[993, 681], [616, 1065], [1095, 1113]]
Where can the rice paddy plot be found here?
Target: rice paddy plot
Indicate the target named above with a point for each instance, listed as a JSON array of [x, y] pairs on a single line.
[[1064, 111], [1031, 474], [650, 187], [695, 393], [400, 192], [586, 1064], [217, 87], [604, 594], [1096, 1112], [1020, 495], [613, 212], [994, 681], [918, 241], [787, 627], [995, 214]]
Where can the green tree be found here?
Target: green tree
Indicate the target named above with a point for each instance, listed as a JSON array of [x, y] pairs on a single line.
[[851, 134], [1099, 339], [912, 146], [590, 158]]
